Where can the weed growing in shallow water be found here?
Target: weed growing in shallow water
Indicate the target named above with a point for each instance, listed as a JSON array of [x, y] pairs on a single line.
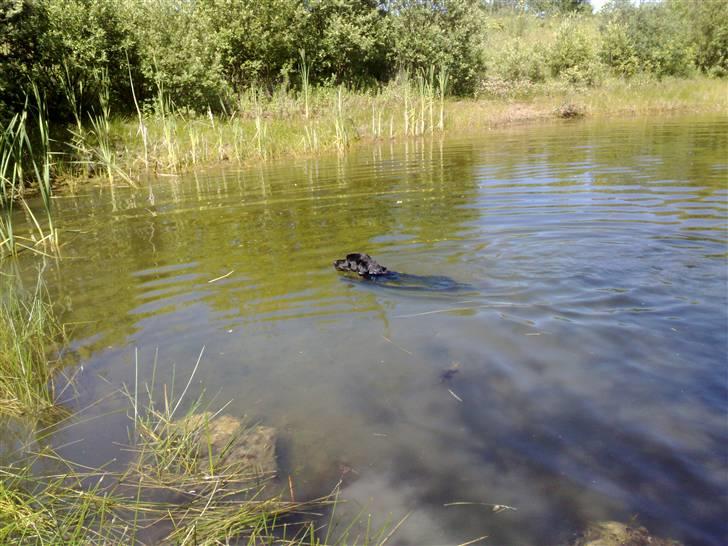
[[185, 484], [29, 333], [16, 150]]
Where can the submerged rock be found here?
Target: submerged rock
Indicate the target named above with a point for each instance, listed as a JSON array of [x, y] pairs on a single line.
[[254, 447], [614, 533], [448, 373]]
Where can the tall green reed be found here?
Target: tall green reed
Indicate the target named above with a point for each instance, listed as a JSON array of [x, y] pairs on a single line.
[[442, 81], [42, 163], [305, 85], [101, 129], [10, 178], [342, 135], [16, 149], [142, 126], [29, 333], [165, 114]]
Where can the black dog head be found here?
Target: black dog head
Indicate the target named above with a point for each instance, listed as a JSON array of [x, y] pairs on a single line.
[[361, 264]]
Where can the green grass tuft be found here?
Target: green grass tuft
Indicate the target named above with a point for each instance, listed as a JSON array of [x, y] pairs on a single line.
[[29, 333]]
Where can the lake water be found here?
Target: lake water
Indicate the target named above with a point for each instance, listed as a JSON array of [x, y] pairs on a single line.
[[589, 333]]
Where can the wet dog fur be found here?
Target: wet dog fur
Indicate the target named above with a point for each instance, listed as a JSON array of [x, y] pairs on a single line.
[[361, 264]]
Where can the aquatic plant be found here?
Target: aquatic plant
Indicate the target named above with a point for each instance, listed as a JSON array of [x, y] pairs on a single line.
[[29, 333], [442, 81], [180, 487], [305, 83], [342, 135], [10, 179], [16, 149]]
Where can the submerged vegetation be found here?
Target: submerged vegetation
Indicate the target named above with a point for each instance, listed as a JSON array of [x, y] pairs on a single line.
[[184, 479], [183, 482], [171, 491]]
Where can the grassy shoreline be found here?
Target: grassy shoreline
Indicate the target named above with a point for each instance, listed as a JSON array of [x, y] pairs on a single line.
[[165, 141], [616, 99], [336, 119]]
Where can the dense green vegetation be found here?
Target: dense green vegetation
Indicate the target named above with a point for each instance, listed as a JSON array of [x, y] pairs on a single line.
[[204, 55]]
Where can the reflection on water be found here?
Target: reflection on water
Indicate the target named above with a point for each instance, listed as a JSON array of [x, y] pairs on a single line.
[[411, 283], [589, 325]]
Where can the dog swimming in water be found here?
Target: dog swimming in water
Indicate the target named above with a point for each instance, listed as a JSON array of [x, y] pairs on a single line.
[[368, 269], [361, 264]]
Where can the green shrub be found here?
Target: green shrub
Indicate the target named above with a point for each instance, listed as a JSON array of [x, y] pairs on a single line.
[[89, 37], [618, 51], [23, 30], [428, 33], [707, 24], [345, 40], [179, 54], [519, 62], [659, 39], [348, 41], [258, 42], [573, 55]]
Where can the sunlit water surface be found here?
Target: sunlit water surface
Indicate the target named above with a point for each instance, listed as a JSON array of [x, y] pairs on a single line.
[[590, 329]]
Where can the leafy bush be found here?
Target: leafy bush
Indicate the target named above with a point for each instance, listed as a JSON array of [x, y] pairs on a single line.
[[519, 62], [179, 54], [573, 55], [429, 33], [618, 51], [656, 35], [707, 24], [258, 42], [88, 38], [348, 41], [23, 27]]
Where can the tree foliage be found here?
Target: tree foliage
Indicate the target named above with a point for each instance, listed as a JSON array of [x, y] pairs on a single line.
[[23, 28], [654, 35], [439, 32], [201, 54], [707, 24]]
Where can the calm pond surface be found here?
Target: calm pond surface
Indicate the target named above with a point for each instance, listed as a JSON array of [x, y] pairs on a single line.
[[589, 332]]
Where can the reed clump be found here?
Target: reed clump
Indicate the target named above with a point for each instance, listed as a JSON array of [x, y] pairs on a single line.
[[285, 122], [29, 337], [146, 503], [179, 486], [26, 160]]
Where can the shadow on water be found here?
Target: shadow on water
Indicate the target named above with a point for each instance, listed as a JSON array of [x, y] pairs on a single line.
[[405, 282]]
